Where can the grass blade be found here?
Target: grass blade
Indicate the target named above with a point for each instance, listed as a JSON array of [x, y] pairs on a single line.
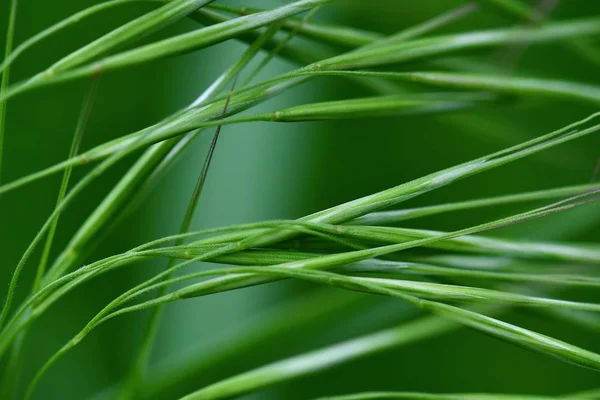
[[144, 25], [168, 47], [10, 32], [71, 20], [395, 216], [442, 45]]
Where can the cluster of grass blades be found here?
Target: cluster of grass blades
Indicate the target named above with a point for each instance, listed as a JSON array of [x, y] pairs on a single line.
[[456, 278]]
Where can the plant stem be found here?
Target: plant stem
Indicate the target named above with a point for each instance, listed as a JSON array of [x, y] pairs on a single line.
[[10, 33]]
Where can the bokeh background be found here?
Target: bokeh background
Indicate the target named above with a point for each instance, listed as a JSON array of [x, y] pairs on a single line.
[[266, 171]]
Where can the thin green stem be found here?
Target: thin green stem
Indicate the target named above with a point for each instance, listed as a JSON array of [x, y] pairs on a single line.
[[10, 33], [77, 137]]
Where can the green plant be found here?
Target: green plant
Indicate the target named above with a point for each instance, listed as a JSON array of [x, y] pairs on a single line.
[[353, 246]]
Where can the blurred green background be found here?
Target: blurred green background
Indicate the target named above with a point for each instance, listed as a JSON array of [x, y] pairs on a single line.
[[267, 171]]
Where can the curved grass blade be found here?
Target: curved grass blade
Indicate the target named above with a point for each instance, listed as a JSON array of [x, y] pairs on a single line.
[[395, 216], [501, 84], [76, 142], [442, 45], [8, 383], [71, 20], [10, 33], [371, 107], [587, 254], [518, 86], [133, 30], [167, 47]]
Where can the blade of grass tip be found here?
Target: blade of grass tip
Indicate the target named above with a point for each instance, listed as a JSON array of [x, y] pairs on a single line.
[[71, 20], [165, 48], [14, 364], [395, 216], [10, 33], [335, 35], [137, 371]]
